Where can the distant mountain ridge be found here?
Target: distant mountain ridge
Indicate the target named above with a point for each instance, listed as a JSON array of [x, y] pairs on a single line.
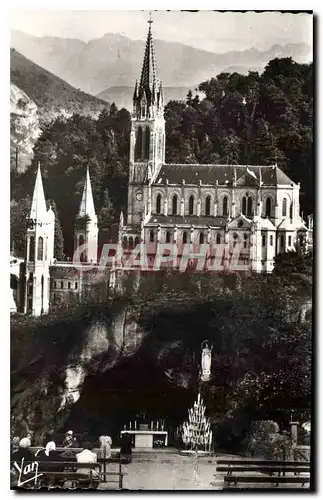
[[115, 60]]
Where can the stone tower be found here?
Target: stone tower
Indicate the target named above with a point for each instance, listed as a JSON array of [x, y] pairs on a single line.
[[86, 227], [39, 252], [147, 139]]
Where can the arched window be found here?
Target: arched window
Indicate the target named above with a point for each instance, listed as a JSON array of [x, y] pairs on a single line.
[[208, 205], [301, 240], [284, 211], [151, 236], [143, 108], [235, 239], [263, 240], [32, 249], [131, 243], [137, 241], [268, 207], [191, 205], [147, 143], [244, 205], [282, 241], [158, 204], [249, 206], [81, 242], [245, 243], [291, 211], [138, 149], [218, 238], [185, 237], [174, 204], [125, 242], [289, 241], [167, 237], [271, 239], [40, 248], [225, 206], [201, 238], [246, 208], [42, 294]]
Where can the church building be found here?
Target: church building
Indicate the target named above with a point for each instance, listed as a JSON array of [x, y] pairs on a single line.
[[255, 207]]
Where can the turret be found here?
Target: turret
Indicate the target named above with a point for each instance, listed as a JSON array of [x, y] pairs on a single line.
[[39, 252], [86, 227]]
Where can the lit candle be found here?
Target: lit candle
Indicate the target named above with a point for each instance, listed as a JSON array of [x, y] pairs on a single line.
[[135, 424], [130, 425]]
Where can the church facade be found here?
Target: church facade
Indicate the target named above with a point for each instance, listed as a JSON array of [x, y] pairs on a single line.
[[253, 208]]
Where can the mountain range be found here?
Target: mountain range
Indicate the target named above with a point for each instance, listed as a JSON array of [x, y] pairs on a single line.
[[115, 61]]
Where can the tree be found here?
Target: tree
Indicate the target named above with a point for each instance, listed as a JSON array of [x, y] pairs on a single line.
[[189, 98], [58, 235], [19, 212]]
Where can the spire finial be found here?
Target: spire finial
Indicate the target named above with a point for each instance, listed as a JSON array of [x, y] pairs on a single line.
[[150, 21]]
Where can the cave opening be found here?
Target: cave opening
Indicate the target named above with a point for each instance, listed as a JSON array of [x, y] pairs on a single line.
[[134, 390]]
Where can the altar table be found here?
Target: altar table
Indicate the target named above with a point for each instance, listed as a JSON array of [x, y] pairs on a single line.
[[145, 439]]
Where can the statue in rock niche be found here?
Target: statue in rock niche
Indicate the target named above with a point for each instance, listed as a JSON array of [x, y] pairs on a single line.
[[206, 361]]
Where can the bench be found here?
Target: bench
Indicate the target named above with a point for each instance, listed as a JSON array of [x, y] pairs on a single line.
[[67, 471], [112, 460], [273, 472]]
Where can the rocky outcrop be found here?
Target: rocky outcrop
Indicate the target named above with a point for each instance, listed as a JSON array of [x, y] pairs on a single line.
[[24, 127]]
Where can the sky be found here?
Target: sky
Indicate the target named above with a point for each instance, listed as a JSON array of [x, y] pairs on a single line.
[[207, 30]]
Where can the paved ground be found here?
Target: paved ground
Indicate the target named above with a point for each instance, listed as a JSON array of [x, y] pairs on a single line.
[[167, 470], [170, 471]]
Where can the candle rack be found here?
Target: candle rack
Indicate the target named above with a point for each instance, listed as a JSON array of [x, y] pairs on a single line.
[[196, 431]]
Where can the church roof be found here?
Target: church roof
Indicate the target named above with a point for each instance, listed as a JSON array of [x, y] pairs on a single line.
[[191, 220], [38, 206], [223, 174], [288, 225], [87, 204]]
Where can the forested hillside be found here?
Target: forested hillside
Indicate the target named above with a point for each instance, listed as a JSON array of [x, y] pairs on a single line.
[[255, 119], [50, 93]]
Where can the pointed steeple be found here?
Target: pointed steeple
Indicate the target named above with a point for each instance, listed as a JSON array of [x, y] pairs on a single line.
[[87, 204], [38, 207], [148, 80]]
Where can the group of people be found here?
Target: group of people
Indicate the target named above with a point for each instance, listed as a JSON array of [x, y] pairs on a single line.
[[21, 450]]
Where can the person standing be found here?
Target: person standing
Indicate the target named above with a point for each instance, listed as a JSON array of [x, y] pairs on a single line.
[[105, 447]]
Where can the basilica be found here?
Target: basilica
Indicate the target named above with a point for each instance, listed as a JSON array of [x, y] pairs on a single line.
[[254, 207]]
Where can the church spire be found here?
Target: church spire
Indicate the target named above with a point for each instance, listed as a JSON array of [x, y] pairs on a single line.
[[148, 73], [38, 206], [87, 204]]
